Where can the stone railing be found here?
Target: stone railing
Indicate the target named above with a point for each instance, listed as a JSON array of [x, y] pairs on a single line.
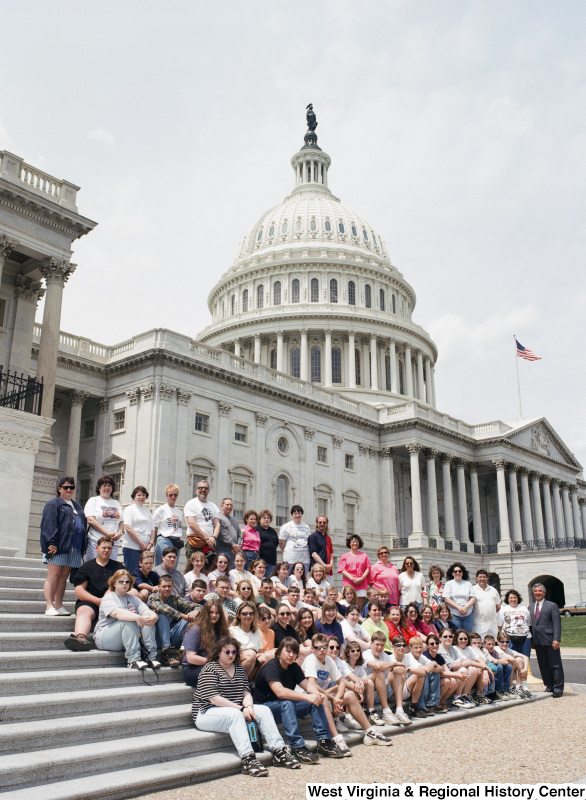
[[77, 345], [14, 169], [413, 409]]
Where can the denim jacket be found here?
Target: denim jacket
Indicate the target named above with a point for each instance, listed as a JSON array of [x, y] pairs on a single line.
[[57, 525]]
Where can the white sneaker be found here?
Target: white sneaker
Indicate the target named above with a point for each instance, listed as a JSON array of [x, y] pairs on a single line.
[[52, 612], [390, 718], [402, 717], [375, 737], [63, 612], [340, 727], [352, 723], [342, 746]]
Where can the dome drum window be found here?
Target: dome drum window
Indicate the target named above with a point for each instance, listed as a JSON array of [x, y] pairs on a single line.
[[336, 365], [315, 365], [277, 293], [285, 227], [272, 231], [298, 226], [314, 290], [295, 291], [259, 236], [283, 445], [367, 296], [295, 362], [313, 225], [333, 291], [354, 231], [260, 296], [351, 293], [328, 226], [245, 301], [382, 299], [341, 227]]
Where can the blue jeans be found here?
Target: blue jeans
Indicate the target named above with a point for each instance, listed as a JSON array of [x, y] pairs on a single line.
[[251, 555], [503, 677], [126, 636], [524, 648], [287, 712], [190, 673], [464, 622], [131, 558], [231, 720], [167, 635], [430, 694], [162, 542]]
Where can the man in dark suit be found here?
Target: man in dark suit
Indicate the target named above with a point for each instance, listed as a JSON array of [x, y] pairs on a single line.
[[546, 630]]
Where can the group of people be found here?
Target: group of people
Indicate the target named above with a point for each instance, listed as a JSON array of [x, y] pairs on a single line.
[[263, 636]]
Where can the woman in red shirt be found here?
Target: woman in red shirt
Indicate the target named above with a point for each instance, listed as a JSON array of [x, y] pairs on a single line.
[[399, 625]]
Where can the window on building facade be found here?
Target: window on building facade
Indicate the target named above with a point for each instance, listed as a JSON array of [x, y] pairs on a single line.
[[322, 454], [349, 461], [315, 365], [367, 296], [295, 291], [314, 297], [272, 230], [388, 372], [298, 226], [232, 304], [239, 498], [382, 299], [260, 291], [333, 291], [341, 227], [120, 420], [259, 237], [284, 227], [364, 233], [336, 365], [296, 362], [322, 506], [277, 293], [283, 445], [357, 366], [245, 300], [196, 478], [401, 379], [394, 304], [350, 519], [313, 225], [202, 422], [282, 500], [84, 492], [328, 226], [352, 293], [89, 429], [2, 311], [273, 358], [354, 231], [240, 432]]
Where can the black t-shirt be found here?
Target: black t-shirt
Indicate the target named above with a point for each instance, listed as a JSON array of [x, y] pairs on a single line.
[[273, 671], [97, 577], [269, 541], [281, 633], [437, 658]]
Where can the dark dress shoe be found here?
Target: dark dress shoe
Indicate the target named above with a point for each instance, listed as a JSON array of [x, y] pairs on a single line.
[[557, 694]]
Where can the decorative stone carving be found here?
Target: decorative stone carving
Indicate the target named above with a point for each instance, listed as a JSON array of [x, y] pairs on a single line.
[[499, 463], [261, 419], [166, 392], [363, 449], [386, 452], [103, 404], [309, 433], [27, 289], [473, 467], [6, 247], [414, 447], [78, 398], [132, 395], [147, 391], [373, 451], [18, 441], [224, 408], [54, 270], [338, 441], [540, 442], [183, 397], [40, 482], [447, 458]]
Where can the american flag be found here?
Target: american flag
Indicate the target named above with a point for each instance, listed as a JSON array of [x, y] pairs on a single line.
[[522, 352]]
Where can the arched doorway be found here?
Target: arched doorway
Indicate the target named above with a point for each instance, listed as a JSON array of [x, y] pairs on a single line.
[[494, 579], [554, 589]]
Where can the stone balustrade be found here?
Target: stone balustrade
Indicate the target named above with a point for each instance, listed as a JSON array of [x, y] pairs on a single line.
[[14, 169], [416, 410]]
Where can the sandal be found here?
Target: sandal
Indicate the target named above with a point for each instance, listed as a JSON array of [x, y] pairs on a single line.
[[250, 766], [78, 643]]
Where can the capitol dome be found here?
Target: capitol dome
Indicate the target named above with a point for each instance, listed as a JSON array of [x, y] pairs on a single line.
[[312, 293]]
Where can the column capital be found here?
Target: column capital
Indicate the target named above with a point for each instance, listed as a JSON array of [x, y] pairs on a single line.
[[28, 289], [474, 466], [447, 458], [338, 442], [513, 467], [57, 271], [183, 397], [78, 398], [224, 408], [553, 481], [279, 333], [574, 489], [103, 404], [7, 245], [132, 395], [386, 452], [461, 463], [363, 449], [414, 447], [261, 419], [499, 463], [256, 336], [431, 454], [147, 391], [546, 479], [523, 472], [535, 476], [166, 391], [309, 433]]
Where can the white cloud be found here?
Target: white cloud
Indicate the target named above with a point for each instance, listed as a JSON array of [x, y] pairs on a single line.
[[102, 135]]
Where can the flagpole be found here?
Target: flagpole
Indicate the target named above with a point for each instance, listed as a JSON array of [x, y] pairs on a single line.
[[518, 382]]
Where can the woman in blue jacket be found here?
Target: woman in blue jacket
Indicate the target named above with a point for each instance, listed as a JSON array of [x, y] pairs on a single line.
[[63, 533]]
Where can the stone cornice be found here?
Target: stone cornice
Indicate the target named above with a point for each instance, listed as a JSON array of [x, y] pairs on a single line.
[[44, 212]]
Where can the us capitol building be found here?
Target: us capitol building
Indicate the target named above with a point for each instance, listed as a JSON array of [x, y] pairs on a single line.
[[312, 384]]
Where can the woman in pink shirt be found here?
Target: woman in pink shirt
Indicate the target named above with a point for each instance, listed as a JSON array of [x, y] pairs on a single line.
[[355, 567], [385, 575], [250, 537]]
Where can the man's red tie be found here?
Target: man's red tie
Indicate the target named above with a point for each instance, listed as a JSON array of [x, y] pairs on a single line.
[[536, 610]]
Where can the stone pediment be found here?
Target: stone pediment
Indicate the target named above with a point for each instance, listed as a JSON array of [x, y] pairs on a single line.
[[540, 438]]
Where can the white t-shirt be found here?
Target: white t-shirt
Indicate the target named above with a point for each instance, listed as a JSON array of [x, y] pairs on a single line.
[[484, 609], [295, 536], [465, 652], [110, 601], [368, 656], [168, 521], [236, 576], [204, 514], [191, 576], [460, 592], [411, 588], [141, 520], [108, 513], [357, 631], [286, 582], [321, 588], [248, 641], [410, 661], [325, 674]]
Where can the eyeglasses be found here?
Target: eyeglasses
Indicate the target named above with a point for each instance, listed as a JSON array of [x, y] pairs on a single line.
[[264, 619], [202, 489], [173, 494], [462, 638], [456, 570], [122, 581], [446, 636], [247, 613], [320, 647], [284, 613], [412, 611], [333, 647], [409, 564], [68, 488], [229, 652], [399, 645]]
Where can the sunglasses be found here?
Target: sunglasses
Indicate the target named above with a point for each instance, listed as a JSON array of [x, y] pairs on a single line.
[[284, 613], [446, 636], [247, 614], [173, 494], [229, 652], [333, 647], [122, 581], [320, 647], [456, 570], [68, 488]]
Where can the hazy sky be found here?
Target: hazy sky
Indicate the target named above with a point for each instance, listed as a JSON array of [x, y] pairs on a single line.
[[457, 128]]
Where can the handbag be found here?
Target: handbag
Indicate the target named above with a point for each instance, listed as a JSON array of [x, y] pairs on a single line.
[[176, 542], [255, 736]]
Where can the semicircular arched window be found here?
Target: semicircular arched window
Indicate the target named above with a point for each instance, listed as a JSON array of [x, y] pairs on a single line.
[[333, 291], [314, 290], [351, 293], [277, 293], [295, 290], [367, 296]]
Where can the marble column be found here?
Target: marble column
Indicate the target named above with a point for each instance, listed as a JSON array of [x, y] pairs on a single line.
[[328, 359], [373, 364], [557, 510], [303, 357], [257, 348], [408, 372], [433, 399], [517, 532], [448, 498], [526, 507], [432, 510], [475, 496], [279, 351], [568, 519], [351, 362], [417, 538], [582, 503], [420, 381], [537, 513], [547, 509], [394, 367], [578, 534], [27, 292], [56, 274], [504, 545], [237, 347], [77, 400], [6, 247], [427, 397], [388, 487], [462, 503]]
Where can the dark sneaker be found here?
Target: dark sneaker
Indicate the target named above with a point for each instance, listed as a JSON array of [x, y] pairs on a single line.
[[250, 766], [439, 710], [304, 756], [78, 643], [327, 748], [283, 758], [169, 659], [139, 664], [416, 712]]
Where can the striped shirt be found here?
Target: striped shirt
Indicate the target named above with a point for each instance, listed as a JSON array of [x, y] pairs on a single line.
[[213, 680]]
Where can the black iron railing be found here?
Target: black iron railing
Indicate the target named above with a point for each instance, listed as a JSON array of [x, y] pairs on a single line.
[[20, 392], [551, 544], [400, 542]]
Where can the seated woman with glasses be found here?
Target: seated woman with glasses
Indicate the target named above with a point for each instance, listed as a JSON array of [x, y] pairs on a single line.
[[306, 630], [222, 703], [124, 619], [243, 592], [244, 629], [282, 627], [466, 679]]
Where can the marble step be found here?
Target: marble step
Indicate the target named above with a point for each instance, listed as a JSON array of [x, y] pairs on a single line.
[[32, 623], [30, 593], [12, 663], [22, 642], [17, 606], [26, 572], [41, 681]]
